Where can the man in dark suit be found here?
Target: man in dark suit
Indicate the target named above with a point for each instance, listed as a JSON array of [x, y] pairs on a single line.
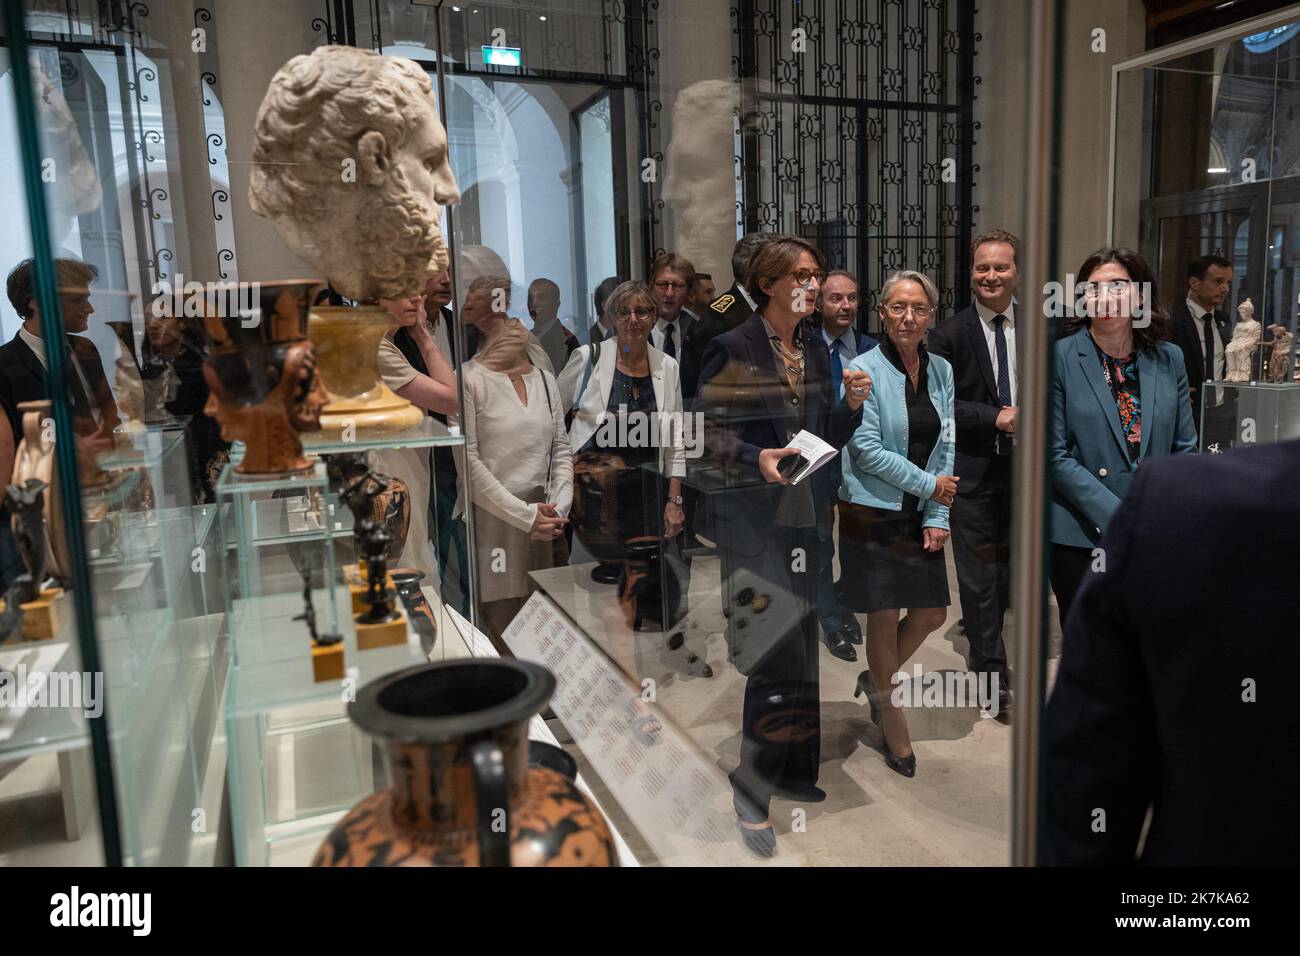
[[1173, 696], [1202, 329], [980, 343], [23, 358], [767, 528], [22, 375], [736, 305], [835, 324]]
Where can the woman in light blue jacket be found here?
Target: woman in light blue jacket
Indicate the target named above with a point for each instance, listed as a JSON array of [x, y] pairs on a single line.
[[897, 488]]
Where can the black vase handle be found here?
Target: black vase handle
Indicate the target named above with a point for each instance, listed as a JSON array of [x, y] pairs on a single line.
[[492, 800]]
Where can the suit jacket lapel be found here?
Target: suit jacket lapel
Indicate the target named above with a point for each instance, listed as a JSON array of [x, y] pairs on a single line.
[[656, 358], [29, 359], [1090, 368], [1149, 380], [606, 359], [980, 346], [767, 375]]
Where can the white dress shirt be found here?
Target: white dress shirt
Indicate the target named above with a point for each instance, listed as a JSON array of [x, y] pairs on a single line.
[[1198, 314], [35, 343], [678, 330], [753, 306], [990, 336]]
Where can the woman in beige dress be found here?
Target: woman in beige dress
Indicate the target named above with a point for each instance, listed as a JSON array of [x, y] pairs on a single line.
[[517, 452]]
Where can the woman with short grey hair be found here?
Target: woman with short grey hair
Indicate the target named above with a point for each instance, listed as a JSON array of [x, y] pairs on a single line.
[[897, 488]]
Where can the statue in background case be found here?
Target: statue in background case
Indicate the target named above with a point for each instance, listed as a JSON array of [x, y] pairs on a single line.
[[1280, 359], [1244, 346]]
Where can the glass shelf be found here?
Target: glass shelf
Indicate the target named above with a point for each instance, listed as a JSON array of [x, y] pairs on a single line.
[[430, 433], [148, 445]]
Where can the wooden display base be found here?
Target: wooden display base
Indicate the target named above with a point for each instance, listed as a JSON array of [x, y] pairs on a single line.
[[44, 617], [327, 662], [370, 636]]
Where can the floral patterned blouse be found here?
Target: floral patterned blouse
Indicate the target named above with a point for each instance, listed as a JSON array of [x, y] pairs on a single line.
[[1122, 377]]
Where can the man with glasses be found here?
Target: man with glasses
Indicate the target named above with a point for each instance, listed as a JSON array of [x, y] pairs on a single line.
[[670, 277], [980, 342]]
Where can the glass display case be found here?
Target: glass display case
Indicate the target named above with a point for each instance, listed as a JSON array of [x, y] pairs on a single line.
[[1248, 413], [224, 588], [516, 354]]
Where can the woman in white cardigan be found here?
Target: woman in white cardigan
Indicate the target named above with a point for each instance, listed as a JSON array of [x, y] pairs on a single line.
[[627, 400], [517, 450], [626, 397]]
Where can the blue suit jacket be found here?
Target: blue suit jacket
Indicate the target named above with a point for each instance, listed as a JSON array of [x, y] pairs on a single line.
[[1149, 707], [1091, 470]]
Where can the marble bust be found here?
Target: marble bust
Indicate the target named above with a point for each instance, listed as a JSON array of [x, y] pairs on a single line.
[[350, 164], [1245, 340]]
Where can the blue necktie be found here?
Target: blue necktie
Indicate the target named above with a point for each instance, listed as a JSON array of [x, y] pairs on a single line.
[[837, 370], [1004, 368], [670, 347]]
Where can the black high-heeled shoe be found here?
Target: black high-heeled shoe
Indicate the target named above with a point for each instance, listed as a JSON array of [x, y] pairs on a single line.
[[864, 687], [904, 765]]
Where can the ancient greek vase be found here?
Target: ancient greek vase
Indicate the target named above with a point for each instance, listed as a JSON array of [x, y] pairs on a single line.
[[461, 789], [347, 347], [261, 371]]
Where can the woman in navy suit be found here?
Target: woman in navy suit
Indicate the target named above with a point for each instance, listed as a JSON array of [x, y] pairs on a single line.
[[1119, 396]]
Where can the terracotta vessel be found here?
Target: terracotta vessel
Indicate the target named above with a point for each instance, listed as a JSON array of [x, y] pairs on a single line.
[[264, 386], [461, 789], [347, 348]]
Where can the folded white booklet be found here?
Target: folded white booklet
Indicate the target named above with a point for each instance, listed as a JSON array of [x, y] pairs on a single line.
[[813, 453]]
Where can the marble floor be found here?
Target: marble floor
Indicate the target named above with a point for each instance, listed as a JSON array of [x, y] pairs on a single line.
[[954, 812]]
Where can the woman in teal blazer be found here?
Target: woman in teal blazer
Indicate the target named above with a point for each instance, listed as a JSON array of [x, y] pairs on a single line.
[[894, 498], [1119, 396]]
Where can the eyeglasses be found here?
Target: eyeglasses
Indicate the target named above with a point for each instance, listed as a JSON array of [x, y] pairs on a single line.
[[900, 309], [1113, 286], [663, 285], [802, 276], [643, 313]]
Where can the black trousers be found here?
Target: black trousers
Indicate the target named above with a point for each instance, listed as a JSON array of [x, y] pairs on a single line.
[[1069, 565], [981, 539], [781, 721]]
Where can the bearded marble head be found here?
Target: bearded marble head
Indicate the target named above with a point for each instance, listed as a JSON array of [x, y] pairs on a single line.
[[350, 164]]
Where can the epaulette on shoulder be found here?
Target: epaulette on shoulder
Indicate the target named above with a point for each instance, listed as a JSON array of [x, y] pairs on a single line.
[[722, 303]]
